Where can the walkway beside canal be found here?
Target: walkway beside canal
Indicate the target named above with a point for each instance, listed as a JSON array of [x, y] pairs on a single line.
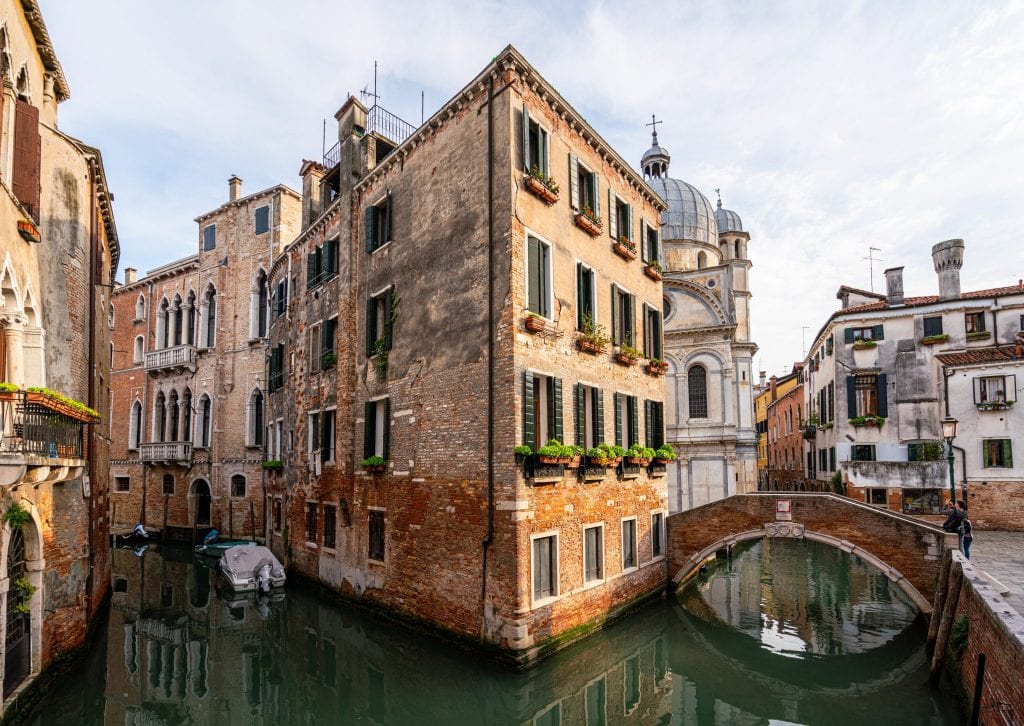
[[1001, 554]]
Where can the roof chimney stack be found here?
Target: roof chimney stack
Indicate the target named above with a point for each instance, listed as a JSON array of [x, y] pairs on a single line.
[[234, 188], [763, 374], [129, 275], [948, 258], [894, 286]]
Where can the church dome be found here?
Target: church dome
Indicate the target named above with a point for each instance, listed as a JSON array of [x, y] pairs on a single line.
[[727, 220]]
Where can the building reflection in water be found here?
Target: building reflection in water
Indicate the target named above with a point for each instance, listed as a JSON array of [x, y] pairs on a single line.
[[178, 652]]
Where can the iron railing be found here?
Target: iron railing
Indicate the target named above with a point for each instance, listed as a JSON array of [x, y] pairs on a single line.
[[179, 356], [30, 427], [333, 156], [381, 122], [173, 451]]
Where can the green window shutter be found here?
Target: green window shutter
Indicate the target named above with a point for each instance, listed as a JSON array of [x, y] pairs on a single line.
[[618, 418], [851, 397], [848, 335], [613, 222], [325, 438], [310, 271], [529, 425], [574, 182], [883, 394], [1007, 454], [659, 424], [648, 340], [878, 332], [615, 314], [579, 413], [595, 187], [649, 423], [533, 273], [388, 228], [371, 324], [644, 252], [629, 222], [331, 253], [659, 347], [369, 432], [634, 421], [599, 416], [557, 429], [526, 139], [545, 279], [656, 255], [326, 343], [371, 228], [629, 325], [986, 460], [388, 297], [580, 293], [387, 428]]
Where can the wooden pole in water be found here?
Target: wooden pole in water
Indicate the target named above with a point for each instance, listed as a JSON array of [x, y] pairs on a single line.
[[164, 528], [231, 520], [979, 684], [946, 624], [252, 521], [939, 601]]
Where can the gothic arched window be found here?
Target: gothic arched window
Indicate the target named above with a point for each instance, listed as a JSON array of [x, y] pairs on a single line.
[[256, 418], [205, 420], [697, 388], [135, 426]]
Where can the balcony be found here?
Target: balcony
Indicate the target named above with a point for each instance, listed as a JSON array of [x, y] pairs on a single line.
[[39, 441], [166, 452], [170, 359], [381, 123]]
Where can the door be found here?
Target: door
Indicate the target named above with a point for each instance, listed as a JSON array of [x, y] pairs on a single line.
[[18, 656], [202, 495]]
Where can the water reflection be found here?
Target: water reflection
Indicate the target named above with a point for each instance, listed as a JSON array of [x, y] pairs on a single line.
[[177, 652]]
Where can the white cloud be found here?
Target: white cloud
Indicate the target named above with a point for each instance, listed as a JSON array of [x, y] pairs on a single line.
[[829, 127]]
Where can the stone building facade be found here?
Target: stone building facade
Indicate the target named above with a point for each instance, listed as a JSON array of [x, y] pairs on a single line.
[[426, 322], [886, 369], [58, 254], [786, 423], [188, 374]]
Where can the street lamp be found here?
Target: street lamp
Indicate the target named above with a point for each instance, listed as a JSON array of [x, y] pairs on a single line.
[[949, 433]]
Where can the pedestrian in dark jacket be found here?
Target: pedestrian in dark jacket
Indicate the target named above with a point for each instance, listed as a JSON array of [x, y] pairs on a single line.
[[954, 517]]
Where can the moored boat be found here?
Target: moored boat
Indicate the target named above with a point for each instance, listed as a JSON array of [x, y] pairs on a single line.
[[251, 567]]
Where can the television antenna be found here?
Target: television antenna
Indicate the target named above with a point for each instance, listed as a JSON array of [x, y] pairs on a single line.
[[366, 93], [871, 264]]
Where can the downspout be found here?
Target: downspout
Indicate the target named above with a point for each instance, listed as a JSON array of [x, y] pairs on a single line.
[[489, 537], [145, 398], [91, 466], [946, 374]]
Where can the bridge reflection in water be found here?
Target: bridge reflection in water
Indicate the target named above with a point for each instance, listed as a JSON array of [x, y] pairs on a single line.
[[176, 652]]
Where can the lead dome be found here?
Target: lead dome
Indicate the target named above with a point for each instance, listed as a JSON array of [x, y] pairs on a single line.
[[690, 215]]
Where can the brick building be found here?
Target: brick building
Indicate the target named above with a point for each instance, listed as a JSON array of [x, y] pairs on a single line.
[[428, 314], [58, 254], [785, 425], [188, 373]]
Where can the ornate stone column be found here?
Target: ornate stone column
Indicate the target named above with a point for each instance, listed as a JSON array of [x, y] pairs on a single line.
[[13, 331]]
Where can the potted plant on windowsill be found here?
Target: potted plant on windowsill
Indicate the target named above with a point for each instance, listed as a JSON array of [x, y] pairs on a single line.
[[327, 359], [273, 465], [664, 454], [624, 247], [994, 405], [875, 421], [521, 452], [653, 270], [810, 432], [374, 464], [571, 455], [534, 323], [550, 453], [979, 335], [592, 338], [637, 454], [606, 455], [627, 355], [656, 367], [864, 344], [59, 403], [588, 221], [935, 339], [542, 186]]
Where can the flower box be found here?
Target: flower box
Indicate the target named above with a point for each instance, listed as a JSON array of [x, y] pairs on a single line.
[[656, 368], [273, 465], [979, 335], [934, 339], [625, 359], [871, 421], [28, 230], [652, 272], [864, 345], [588, 224], [534, 324], [542, 459], [624, 251], [607, 463], [638, 460], [662, 460], [375, 468], [62, 405], [588, 346], [540, 189], [994, 405]]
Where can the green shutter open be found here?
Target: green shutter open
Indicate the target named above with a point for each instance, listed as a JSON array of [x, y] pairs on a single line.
[[848, 335], [579, 412], [1007, 454], [388, 297], [529, 424], [557, 428], [386, 426], [649, 423], [369, 434], [616, 402], [883, 394], [634, 421], [878, 332], [526, 139], [574, 182], [613, 222], [851, 397], [371, 324], [598, 416], [370, 217]]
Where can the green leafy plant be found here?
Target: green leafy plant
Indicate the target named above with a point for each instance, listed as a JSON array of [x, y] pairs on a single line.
[[589, 213], [592, 333], [628, 351], [837, 483], [864, 344], [372, 462], [657, 364], [552, 448], [878, 421], [523, 450], [61, 398], [958, 635], [655, 265], [547, 181], [328, 358], [626, 242], [636, 451], [273, 465], [933, 339], [6, 387], [571, 451], [931, 451], [23, 591], [995, 405], [979, 335], [665, 452], [17, 516]]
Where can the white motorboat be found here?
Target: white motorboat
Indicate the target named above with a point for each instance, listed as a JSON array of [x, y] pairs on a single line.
[[251, 567]]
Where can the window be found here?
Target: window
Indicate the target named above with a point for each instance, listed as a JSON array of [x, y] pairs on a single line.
[[867, 395], [996, 453], [586, 297], [652, 332], [378, 224], [380, 320], [140, 308], [623, 311], [862, 452], [628, 544], [535, 145], [321, 263], [139, 349], [186, 405], [210, 329], [542, 409], [596, 703], [262, 220], [275, 377], [697, 391], [832, 458], [377, 429], [313, 429], [545, 567], [589, 416], [122, 483], [933, 326], [593, 553], [995, 389], [657, 534], [168, 483], [376, 535], [311, 522], [702, 260], [256, 418], [585, 188], [330, 526], [650, 242], [830, 401], [631, 683], [205, 421], [654, 423], [874, 332], [280, 298], [258, 307], [209, 237], [538, 277], [190, 319], [627, 420], [620, 217], [877, 497], [327, 436], [277, 515], [238, 485], [975, 322], [27, 150], [828, 345], [135, 426]]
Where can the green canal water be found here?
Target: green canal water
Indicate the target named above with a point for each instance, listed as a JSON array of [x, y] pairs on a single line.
[[783, 632]]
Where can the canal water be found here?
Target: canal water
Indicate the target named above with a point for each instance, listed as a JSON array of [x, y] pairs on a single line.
[[783, 632]]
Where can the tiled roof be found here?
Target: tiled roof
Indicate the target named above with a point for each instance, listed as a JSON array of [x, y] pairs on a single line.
[[995, 354], [930, 299]]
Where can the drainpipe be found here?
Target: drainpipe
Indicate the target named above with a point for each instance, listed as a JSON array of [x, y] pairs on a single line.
[[91, 464], [145, 398], [489, 537], [946, 375]]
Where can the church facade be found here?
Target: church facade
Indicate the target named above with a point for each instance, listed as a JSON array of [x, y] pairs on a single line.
[[709, 409]]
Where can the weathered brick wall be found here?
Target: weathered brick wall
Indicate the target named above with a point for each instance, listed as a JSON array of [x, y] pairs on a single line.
[[912, 547], [996, 505], [786, 456]]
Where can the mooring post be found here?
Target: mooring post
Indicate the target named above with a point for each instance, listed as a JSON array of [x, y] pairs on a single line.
[[231, 520], [252, 521], [163, 529], [979, 683], [946, 624], [939, 601]]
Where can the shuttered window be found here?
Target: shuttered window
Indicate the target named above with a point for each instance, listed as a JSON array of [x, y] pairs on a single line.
[[996, 453], [652, 332], [867, 395], [654, 423], [623, 314], [377, 428], [628, 544], [620, 218], [261, 221], [873, 332], [376, 549], [593, 553], [542, 409], [275, 377], [327, 436], [583, 188], [379, 322], [657, 534], [209, 237], [586, 298], [651, 242], [545, 567], [27, 155], [330, 526], [588, 416], [535, 146], [933, 325], [538, 277], [378, 224]]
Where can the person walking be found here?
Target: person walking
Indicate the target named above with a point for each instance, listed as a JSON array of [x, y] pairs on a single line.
[[966, 530]]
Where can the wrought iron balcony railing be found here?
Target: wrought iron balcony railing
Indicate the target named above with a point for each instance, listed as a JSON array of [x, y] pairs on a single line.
[[381, 122], [179, 452], [180, 356], [31, 426]]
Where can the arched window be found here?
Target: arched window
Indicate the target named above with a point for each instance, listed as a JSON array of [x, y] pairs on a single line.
[[21, 86], [238, 485], [159, 417], [702, 260], [176, 313], [256, 418], [258, 307], [139, 349], [190, 319], [135, 426], [697, 386], [186, 405], [110, 316], [210, 327], [174, 416], [140, 307], [205, 420], [163, 325]]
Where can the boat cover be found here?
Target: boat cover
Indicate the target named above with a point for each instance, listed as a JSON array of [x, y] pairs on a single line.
[[244, 562]]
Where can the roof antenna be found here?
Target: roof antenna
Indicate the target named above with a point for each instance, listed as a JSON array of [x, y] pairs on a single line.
[[366, 93], [871, 264]]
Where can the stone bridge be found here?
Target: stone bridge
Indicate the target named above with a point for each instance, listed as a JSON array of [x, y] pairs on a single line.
[[908, 550]]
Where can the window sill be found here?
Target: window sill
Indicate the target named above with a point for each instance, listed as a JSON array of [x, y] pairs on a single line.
[[544, 602], [371, 561], [593, 583], [629, 570], [382, 247], [311, 545]]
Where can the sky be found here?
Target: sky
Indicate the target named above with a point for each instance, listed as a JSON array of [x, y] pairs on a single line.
[[829, 127]]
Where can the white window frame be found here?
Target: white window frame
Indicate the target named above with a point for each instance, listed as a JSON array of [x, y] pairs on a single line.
[[535, 602], [334, 433], [309, 432], [663, 531], [314, 543], [549, 272], [604, 548], [622, 545], [544, 140], [139, 349]]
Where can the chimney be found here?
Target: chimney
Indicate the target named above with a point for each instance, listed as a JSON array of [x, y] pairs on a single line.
[[894, 286], [772, 385], [129, 275], [234, 188], [948, 258], [763, 374]]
